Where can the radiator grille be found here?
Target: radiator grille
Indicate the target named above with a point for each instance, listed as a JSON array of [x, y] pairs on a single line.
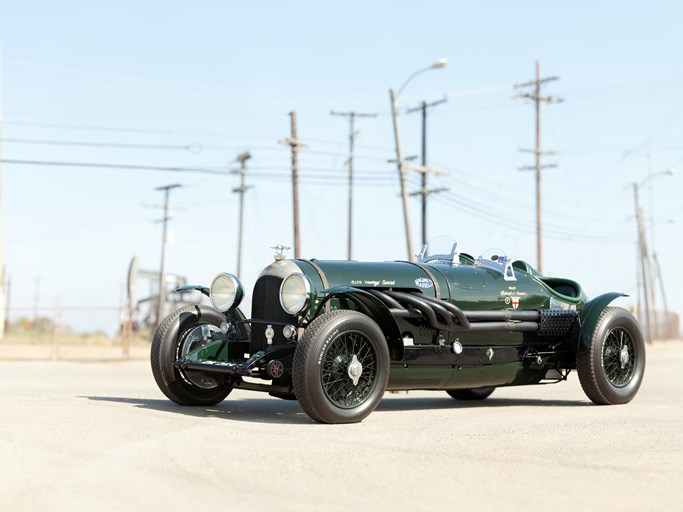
[[265, 306]]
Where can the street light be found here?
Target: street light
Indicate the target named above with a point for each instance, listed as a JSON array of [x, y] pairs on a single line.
[[441, 63], [652, 175]]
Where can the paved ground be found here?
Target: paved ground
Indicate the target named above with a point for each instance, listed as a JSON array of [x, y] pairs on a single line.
[[100, 436]]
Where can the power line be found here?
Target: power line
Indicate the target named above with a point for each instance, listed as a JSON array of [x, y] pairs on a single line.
[[366, 174], [153, 131], [484, 212], [113, 166], [193, 147]]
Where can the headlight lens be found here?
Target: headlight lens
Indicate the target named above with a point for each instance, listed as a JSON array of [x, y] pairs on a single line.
[[295, 293], [226, 292]]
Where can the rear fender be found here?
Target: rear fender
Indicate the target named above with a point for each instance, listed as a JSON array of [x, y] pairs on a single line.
[[588, 319], [375, 309]]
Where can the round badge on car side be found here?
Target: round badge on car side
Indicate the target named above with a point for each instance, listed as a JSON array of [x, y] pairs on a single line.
[[424, 282]]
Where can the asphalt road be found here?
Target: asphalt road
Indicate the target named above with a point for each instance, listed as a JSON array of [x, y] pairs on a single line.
[[100, 436]]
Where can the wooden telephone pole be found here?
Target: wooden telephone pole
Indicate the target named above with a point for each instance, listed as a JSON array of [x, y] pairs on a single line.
[[536, 97], [646, 273], [164, 244], [242, 159], [2, 254], [352, 136], [400, 163], [294, 143], [424, 191]]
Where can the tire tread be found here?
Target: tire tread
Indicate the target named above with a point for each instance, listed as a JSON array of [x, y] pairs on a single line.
[[303, 360], [587, 364], [178, 391]]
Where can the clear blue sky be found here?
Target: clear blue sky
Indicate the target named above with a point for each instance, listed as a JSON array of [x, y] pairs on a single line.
[[221, 77]]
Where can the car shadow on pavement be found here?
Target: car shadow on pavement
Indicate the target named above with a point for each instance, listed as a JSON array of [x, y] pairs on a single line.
[[277, 411], [440, 402], [254, 410]]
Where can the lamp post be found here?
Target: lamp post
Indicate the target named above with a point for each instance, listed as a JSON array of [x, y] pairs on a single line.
[[393, 96]]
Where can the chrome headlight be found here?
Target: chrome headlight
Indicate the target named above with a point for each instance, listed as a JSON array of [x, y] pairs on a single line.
[[226, 292], [295, 293]]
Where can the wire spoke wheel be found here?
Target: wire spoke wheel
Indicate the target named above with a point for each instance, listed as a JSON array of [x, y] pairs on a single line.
[[341, 367], [611, 369], [337, 366], [618, 356]]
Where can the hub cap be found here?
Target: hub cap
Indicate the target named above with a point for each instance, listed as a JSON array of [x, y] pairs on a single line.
[[349, 370], [618, 357], [196, 337], [355, 370]]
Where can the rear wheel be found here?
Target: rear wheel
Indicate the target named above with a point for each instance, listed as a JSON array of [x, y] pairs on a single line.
[[611, 370], [341, 367], [470, 394], [180, 333]]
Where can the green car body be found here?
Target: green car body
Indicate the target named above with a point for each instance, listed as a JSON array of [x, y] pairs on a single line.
[[336, 335]]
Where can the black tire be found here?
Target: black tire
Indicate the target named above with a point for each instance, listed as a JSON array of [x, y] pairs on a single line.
[[334, 346], [170, 341], [612, 369], [470, 394]]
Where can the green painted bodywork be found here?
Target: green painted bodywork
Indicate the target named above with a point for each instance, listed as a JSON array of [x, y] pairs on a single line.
[[212, 351], [468, 286], [463, 377]]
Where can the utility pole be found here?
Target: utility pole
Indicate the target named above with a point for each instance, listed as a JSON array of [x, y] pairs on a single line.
[[7, 302], [658, 270], [242, 159], [538, 99], [424, 191], [644, 265], [164, 242], [295, 145], [36, 299], [56, 329], [651, 266], [352, 135], [401, 174], [2, 254]]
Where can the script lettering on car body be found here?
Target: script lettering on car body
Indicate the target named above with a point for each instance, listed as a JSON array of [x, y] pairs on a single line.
[[371, 282]]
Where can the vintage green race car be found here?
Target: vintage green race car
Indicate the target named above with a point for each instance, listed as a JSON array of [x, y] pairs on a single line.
[[335, 335]]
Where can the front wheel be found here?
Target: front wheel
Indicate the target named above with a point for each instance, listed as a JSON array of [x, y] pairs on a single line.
[[180, 333], [611, 370], [341, 367]]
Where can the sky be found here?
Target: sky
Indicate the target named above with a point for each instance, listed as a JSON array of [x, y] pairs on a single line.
[[192, 85]]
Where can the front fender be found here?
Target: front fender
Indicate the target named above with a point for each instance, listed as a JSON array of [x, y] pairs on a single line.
[[588, 319], [375, 309], [191, 287]]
